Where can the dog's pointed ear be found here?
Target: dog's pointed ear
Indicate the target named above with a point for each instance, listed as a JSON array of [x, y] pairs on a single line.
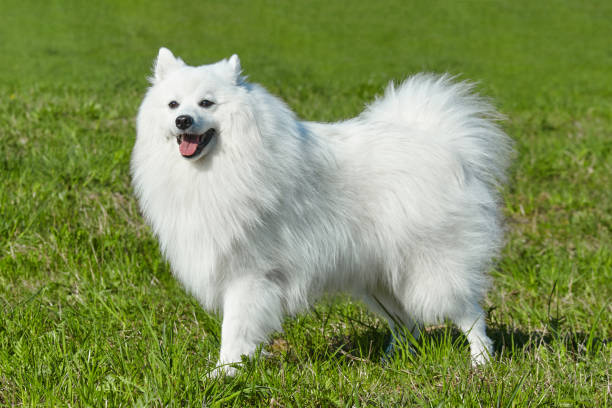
[[165, 63], [234, 64]]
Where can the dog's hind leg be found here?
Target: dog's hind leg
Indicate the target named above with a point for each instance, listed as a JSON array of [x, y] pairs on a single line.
[[447, 284], [400, 324], [472, 323]]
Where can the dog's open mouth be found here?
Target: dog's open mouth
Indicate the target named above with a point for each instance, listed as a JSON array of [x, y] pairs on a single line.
[[190, 145]]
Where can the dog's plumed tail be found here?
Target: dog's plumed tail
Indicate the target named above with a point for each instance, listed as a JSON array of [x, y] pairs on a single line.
[[454, 115]]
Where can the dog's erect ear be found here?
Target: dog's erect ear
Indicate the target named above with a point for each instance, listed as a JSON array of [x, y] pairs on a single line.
[[234, 64], [165, 63]]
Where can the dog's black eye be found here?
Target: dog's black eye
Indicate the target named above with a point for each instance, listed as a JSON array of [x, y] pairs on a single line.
[[173, 105], [205, 103]]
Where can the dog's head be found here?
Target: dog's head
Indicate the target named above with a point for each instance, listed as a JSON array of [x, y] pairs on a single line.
[[192, 106]]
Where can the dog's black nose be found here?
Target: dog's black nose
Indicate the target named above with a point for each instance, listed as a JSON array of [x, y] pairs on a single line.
[[184, 121]]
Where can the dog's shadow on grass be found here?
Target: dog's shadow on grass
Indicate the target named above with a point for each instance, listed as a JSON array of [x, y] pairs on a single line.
[[510, 340], [339, 334], [368, 344]]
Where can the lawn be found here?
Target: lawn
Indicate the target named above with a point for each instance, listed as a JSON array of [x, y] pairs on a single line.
[[90, 313]]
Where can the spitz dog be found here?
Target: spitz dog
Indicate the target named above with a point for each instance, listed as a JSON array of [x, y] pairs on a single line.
[[260, 213]]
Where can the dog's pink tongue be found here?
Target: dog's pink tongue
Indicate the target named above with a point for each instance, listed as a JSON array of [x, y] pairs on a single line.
[[188, 146]]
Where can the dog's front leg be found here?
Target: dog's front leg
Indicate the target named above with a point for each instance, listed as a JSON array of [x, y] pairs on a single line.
[[252, 309]]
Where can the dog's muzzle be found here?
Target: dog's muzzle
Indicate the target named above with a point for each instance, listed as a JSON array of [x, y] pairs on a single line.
[[191, 145]]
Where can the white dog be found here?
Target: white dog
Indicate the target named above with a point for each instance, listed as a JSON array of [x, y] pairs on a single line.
[[260, 213]]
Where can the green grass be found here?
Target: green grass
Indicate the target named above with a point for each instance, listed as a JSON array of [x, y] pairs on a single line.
[[89, 312]]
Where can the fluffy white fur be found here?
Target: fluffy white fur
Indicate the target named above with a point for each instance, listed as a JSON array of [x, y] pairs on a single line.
[[397, 206]]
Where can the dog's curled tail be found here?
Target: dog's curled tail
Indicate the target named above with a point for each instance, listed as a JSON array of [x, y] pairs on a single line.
[[452, 113]]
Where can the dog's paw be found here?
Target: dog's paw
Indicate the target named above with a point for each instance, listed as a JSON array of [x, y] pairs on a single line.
[[480, 359], [481, 351], [224, 370]]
